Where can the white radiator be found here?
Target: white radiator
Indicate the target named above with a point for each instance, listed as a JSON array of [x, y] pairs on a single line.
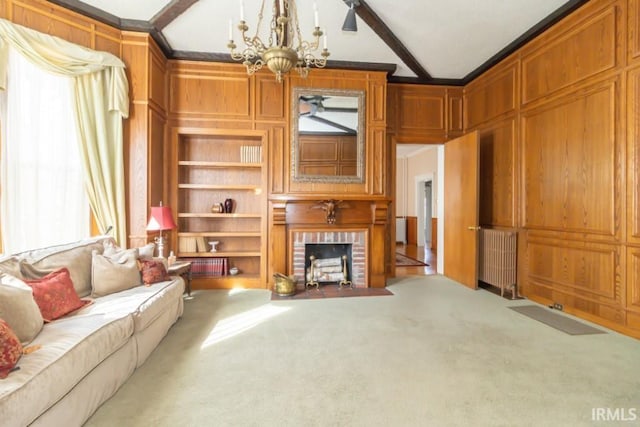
[[497, 259], [401, 230]]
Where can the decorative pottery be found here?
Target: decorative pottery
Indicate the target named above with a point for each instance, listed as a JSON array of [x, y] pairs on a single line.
[[214, 245], [233, 271], [217, 208], [228, 206]]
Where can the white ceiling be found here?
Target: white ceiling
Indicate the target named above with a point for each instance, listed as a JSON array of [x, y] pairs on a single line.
[[449, 38]]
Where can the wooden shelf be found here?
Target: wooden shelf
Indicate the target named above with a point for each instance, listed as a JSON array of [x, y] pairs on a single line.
[[210, 165], [221, 234], [217, 215], [218, 187], [225, 165], [219, 254], [223, 282]]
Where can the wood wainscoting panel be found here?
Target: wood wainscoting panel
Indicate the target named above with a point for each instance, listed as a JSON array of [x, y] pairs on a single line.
[[584, 51], [278, 157], [270, 98], [420, 109], [54, 20], [135, 58], [108, 43], [498, 145], [156, 158], [136, 163], [491, 96], [572, 163], [633, 156], [377, 163], [585, 277], [412, 230], [210, 96], [634, 29], [376, 103], [633, 280], [157, 78], [455, 122]]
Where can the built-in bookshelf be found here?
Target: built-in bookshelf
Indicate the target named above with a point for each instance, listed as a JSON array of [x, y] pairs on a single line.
[[213, 166]]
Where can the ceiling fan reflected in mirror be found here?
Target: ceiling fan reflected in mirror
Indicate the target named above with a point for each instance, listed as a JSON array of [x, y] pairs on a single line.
[[311, 105]]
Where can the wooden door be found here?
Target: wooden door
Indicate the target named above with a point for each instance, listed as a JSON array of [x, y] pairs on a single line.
[[461, 168]]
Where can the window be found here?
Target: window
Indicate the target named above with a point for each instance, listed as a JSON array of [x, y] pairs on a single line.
[[43, 201]]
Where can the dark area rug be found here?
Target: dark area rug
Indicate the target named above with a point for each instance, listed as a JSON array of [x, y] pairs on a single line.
[[332, 291], [405, 261], [556, 320]]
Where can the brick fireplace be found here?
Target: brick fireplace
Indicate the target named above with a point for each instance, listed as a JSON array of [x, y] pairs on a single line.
[[356, 238], [361, 223]]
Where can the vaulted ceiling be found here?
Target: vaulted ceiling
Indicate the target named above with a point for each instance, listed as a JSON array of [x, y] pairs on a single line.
[[421, 41]]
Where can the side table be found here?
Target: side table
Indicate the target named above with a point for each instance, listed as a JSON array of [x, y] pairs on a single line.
[[183, 269]]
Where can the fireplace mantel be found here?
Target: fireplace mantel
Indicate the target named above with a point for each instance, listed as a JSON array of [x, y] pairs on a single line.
[[293, 217]]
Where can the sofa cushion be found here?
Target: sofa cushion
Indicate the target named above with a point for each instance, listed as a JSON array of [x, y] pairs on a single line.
[[71, 348], [55, 295], [19, 309], [76, 257], [10, 349], [114, 272], [11, 265], [153, 271], [147, 250]]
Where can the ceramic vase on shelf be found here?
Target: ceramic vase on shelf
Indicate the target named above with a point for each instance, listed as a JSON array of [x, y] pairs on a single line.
[[217, 208], [228, 206]]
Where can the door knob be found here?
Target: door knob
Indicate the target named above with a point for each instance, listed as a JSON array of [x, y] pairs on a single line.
[[474, 228]]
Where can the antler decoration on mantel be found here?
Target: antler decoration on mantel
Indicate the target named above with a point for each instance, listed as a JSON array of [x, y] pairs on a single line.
[[330, 207]]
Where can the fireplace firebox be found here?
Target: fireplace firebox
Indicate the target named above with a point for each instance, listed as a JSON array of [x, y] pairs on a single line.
[[328, 263]]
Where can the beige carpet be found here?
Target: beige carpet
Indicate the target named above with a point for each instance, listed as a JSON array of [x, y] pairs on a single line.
[[434, 354]]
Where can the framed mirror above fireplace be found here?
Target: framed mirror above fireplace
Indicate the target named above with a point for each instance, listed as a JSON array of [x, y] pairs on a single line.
[[327, 135]]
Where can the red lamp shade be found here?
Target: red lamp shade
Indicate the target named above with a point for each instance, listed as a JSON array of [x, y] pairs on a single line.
[[161, 219]]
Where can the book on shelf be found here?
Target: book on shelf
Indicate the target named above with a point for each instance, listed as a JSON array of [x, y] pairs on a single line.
[[201, 244], [250, 154], [187, 244], [209, 267]]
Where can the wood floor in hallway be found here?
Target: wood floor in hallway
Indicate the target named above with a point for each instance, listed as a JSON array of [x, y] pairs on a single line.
[[420, 253]]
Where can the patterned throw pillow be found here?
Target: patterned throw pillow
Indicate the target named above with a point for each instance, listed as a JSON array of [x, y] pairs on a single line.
[[55, 295], [153, 271], [10, 349]]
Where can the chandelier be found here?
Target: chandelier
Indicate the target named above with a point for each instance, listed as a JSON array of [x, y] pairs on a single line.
[[285, 48]]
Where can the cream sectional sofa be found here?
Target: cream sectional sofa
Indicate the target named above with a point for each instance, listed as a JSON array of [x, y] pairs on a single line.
[[86, 356]]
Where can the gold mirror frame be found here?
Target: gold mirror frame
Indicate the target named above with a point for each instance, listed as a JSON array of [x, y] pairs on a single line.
[[296, 176]]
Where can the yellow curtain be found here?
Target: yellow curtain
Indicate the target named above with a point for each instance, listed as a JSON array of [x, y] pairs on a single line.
[[101, 102]]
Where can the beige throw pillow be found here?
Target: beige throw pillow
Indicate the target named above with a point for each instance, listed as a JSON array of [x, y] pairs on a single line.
[[114, 272], [19, 309], [147, 250]]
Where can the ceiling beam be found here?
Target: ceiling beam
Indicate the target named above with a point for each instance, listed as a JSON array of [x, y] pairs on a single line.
[[170, 12], [378, 26]]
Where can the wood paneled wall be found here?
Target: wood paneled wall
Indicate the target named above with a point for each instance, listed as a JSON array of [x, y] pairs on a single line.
[[422, 114], [223, 96], [559, 127], [144, 130]]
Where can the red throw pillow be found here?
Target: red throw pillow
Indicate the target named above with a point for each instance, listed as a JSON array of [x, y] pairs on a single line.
[[55, 295], [10, 349], [153, 271]]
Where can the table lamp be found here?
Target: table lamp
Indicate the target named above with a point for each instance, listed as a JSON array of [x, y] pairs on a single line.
[[161, 219]]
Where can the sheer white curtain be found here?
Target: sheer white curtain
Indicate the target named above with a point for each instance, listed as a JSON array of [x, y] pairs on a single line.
[[101, 102], [43, 197]]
